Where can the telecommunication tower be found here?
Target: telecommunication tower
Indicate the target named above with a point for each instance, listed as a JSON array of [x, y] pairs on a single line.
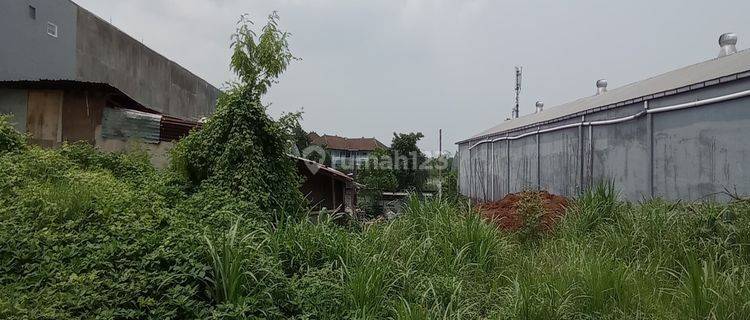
[[519, 72]]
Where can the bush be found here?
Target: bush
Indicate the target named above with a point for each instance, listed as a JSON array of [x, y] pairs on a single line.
[[79, 243], [595, 207], [531, 209], [10, 139], [376, 180], [242, 150], [449, 185]]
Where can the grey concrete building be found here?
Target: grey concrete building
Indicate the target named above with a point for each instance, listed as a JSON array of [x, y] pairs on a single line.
[[68, 75], [681, 135]]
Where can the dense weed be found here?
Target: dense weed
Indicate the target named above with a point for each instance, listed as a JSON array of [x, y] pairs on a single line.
[[531, 209], [81, 239]]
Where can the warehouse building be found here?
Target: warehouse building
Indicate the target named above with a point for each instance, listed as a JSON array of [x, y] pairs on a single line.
[[68, 75], [681, 135]]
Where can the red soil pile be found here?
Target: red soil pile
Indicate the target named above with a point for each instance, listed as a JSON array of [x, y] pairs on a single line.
[[505, 212]]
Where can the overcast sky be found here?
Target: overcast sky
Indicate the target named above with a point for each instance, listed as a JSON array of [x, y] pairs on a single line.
[[370, 68]]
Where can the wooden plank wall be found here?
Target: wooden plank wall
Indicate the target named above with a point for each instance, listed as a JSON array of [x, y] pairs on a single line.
[[44, 117]]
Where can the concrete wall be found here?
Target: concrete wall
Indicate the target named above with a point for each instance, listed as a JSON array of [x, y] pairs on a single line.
[[107, 55], [560, 162], [158, 153], [688, 154], [620, 152], [523, 164], [88, 49], [28, 52], [13, 102]]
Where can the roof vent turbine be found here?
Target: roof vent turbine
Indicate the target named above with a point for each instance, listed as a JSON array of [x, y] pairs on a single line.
[[539, 106], [727, 42], [601, 86]]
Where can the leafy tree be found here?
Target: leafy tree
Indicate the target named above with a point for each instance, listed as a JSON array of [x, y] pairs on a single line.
[[291, 122], [320, 155], [377, 178], [408, 160], [449, 185], [375, 174], [299, 136], [241, 150], [436, 170]]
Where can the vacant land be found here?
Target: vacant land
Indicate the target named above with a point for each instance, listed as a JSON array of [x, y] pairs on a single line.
[[91, 235]]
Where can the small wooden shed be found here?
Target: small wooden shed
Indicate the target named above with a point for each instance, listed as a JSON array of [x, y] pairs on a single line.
[[327, 188]]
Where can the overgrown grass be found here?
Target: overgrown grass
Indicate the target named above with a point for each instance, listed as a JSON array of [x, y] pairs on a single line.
[[91, 235]]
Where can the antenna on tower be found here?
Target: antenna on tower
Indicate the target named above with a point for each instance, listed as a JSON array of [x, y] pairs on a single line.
[[519, 71]]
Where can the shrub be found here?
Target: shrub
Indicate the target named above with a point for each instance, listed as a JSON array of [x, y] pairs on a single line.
[[241, 149], [78, 240], [531, 209], [449, 185], [320, 294], [595, 207], [10, 139], [76, 243]]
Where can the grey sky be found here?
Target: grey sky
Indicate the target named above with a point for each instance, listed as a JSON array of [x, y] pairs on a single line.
[[370, 68]]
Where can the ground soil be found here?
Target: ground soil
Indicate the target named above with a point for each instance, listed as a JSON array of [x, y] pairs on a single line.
[[505, 214]]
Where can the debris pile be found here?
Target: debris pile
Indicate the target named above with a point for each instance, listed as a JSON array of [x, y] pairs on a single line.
[[505, 212]]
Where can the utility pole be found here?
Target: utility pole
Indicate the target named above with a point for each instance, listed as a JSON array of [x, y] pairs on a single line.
[[440, 164], [519, 72]]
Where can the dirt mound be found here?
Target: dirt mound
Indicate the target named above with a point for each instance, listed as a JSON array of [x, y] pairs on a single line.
[[505, 212]]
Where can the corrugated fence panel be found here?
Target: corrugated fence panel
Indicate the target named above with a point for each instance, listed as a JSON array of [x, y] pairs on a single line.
[[463, 169], [129, 124], [560, 162], [523, 164], [477, 177], [499, 169]]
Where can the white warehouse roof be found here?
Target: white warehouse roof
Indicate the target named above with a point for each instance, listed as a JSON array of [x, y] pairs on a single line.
[[681, 80]]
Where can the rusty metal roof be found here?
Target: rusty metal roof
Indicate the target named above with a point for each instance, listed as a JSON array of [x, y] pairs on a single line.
[[175, 128], [129, 124], [316, 167]]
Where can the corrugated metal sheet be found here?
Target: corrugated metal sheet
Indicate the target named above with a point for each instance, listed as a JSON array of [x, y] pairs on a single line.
[[175, 129], [318, 167], [676, 81], [130, 124]]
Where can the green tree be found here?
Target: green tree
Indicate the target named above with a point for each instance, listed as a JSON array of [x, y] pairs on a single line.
[[241, 150], [377, 177], [408, 161], [321, 155], [436, 170], [374, 174], [299, 136]]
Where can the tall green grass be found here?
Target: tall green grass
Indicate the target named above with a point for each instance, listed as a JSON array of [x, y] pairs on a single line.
[[606, 260], [229, 276], [82, 239]]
